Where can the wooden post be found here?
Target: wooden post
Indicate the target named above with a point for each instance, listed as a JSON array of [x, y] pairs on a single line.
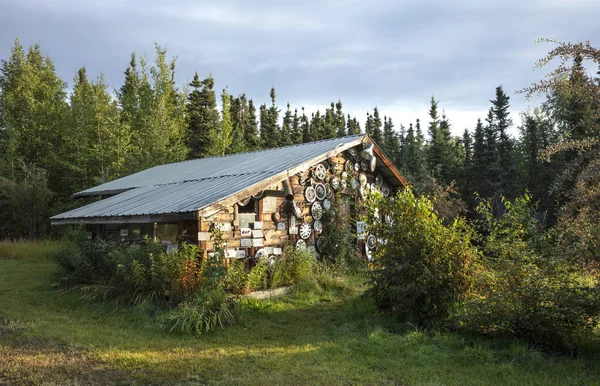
[[259, 210], [203, 227], [236, 223]]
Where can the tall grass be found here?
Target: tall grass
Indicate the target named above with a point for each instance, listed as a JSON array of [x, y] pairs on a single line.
[[30, 250]]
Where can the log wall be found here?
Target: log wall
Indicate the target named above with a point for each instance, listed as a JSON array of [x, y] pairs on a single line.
[[271, 229]]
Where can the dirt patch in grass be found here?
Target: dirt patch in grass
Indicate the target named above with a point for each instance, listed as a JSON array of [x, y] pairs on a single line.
[[27, 360]]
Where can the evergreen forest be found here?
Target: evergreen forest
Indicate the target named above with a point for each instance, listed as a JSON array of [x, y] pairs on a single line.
[[56, 140]]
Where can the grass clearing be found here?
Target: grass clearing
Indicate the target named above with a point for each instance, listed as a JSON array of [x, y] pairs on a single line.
[[31, 251], [325, 332]]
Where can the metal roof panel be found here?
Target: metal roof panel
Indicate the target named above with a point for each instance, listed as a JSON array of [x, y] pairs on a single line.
[[268, 160], [192, 185]]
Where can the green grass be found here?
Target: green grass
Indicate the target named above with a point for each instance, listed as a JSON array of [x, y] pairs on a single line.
[[39, 250], [325, 332]]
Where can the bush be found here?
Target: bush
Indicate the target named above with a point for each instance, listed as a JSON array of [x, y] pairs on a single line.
[[338, 244], [295, 266], [525, 291], [421, 268], [209, 309], [236, 281], [131, 273], [258, 278]]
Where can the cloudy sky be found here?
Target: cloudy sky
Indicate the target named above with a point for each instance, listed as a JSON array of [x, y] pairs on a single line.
[[385, 53]]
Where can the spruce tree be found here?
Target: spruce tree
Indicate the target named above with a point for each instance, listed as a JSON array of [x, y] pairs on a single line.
[[353, 126], [580, 109], [286, 128], [537, 134], [479, 168], [80, 130], [329, 123], [443, 151], [237, 110], [251, 138], [409, 159], [317, 129], [467, 143], [491, 185], [435, 148], [377, 133], [414, 167], [223, 137], [263, 119], [401, 142], [507, 175], [391, 143], [296, 129], [420, 155], [305, 127], [129, 94], [369, 125], [269, 127], [349, 126], [340, 120], [203, 116], [467, 164], [452, 152], [571, 107]]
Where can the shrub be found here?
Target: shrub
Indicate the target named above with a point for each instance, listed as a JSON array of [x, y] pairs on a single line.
[[85, 261], [525, 291], [421, 268], [130, 273], [207, 310], [236, 281], [258, 278], [338, 244], [295, 266]]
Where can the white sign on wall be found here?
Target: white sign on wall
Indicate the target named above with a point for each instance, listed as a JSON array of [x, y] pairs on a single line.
[[204, 236], [269, 205], [225, 227]]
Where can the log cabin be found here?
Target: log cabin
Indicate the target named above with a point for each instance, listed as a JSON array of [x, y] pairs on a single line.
[[260, 200]]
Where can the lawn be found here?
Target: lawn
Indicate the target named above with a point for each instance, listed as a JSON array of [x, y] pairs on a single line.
[[328, 338]]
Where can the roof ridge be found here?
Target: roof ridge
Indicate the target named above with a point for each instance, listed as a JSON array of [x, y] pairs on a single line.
[[265, 150]]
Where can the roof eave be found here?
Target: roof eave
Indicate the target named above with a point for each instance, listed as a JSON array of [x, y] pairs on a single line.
[[138, 219]]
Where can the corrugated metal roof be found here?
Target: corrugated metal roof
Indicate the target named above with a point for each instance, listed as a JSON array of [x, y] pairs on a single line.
[[192, 185], [269, 161], [178, 197]]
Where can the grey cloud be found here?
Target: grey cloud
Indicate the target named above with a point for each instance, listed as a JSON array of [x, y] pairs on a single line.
[[365, 53]]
